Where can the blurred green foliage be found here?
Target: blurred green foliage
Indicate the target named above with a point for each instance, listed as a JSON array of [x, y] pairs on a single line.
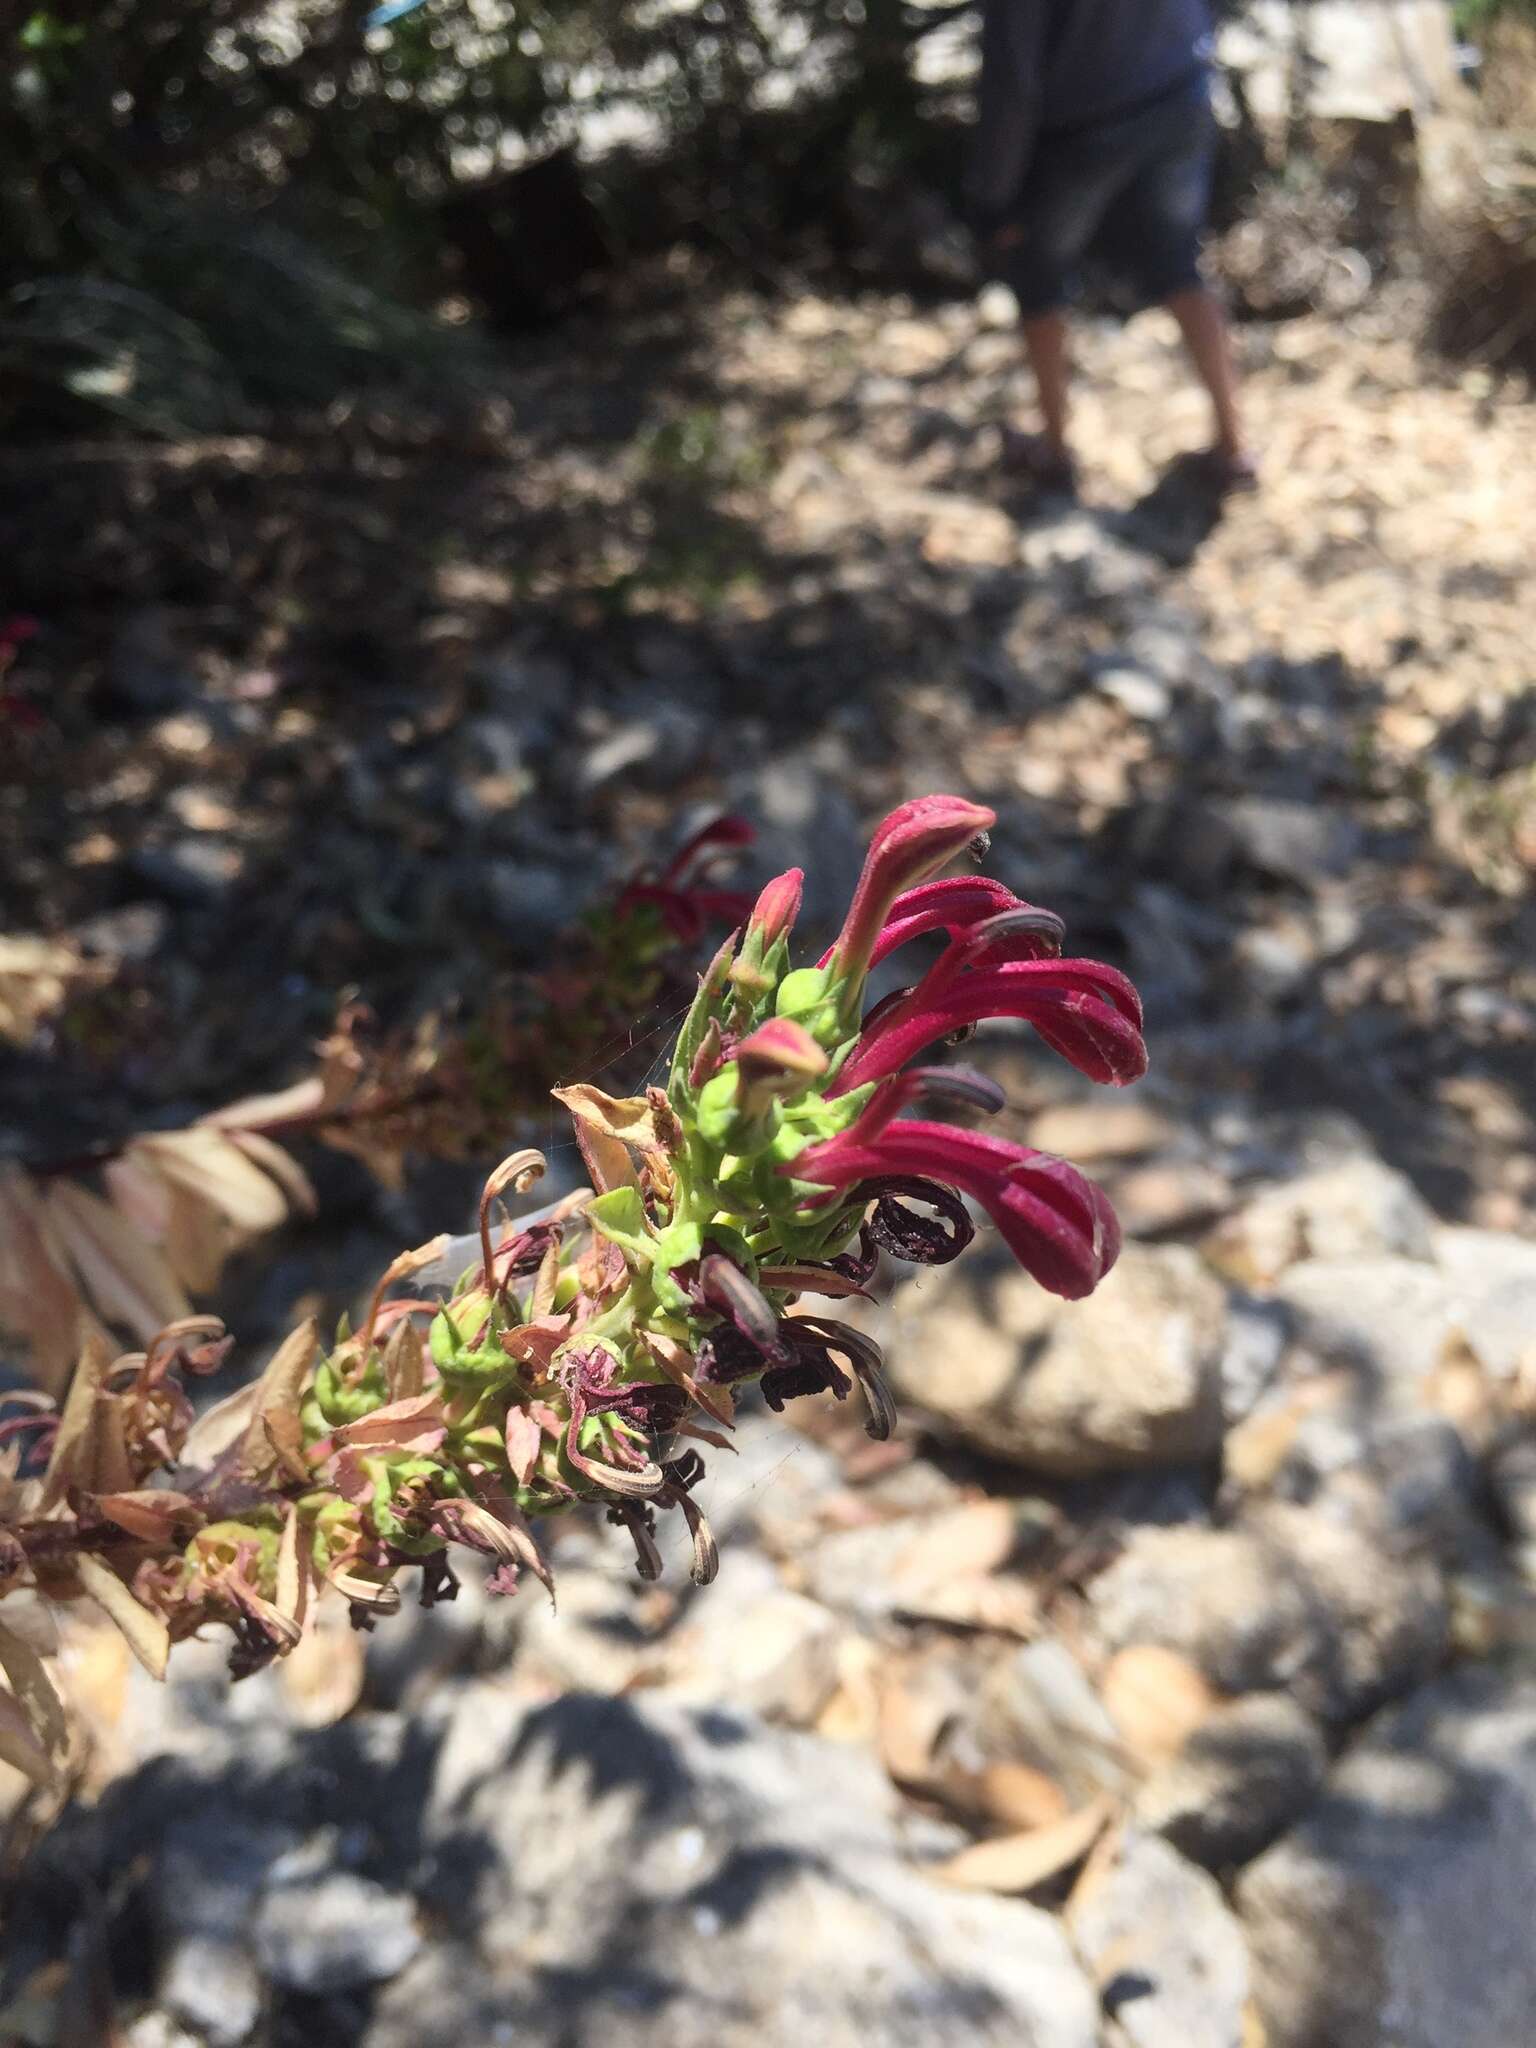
[[209, 209]]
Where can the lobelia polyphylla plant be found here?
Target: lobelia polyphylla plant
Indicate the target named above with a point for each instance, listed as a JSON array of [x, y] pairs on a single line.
[[588, 1352]]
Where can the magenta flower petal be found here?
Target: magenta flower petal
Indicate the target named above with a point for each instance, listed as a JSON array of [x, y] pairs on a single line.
[[777, 907], [1088, 1012], [909, 846], [1058, 1225], [951, 905]]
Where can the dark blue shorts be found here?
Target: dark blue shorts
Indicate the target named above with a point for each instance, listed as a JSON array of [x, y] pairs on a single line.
[[1129, 194]]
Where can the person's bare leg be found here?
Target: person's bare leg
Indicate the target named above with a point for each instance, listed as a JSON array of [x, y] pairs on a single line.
[[1203, 325], [1045, 343]]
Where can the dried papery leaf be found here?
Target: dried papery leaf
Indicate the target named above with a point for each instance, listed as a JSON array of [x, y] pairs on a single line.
[[35, 1694], [283, 1168], [279, 1391], [515, 1538], [676, 1361], [304, 1099], [124, 1275], [145, 1633], [198, 1240], [700, 1435], [294, 1572], [546, 1283], [524, 1440], [632, 1119], [365, 1589], [285, 1434], [405, 1361], [606, 1158], [415, 1424], [20, 1747], [209, 1165], [38, 1296], [1022, 1863], [72, 1443], [535, 1343], [152, 1513], [105, 1466], [219, 1428], [373, 1143], [141, 1194]]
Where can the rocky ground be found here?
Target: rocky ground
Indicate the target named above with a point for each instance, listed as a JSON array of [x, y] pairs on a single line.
[[1171, 1679]]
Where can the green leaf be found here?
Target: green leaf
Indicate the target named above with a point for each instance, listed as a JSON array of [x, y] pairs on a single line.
[[620, 1217], [678, 1245]]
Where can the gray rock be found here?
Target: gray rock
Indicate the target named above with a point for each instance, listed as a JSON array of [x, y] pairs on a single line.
[[1387, 1318], [211, 1984], [197, 869], [1493, 1278], [1296, 842], [128, 936], [1397, 1915], [1250, 1360], [630, 1869], [1242, 1777], [796, 806], [1512, 1476], [158, 2030], [148, 666], [660, 749], [1134, 690], [1325, 1602], [533, 901], [775, 1654], [334, 1932], [205, 1883], [1130, 1377], [1167, 1955], [1353, 1209], [1036, 1706]]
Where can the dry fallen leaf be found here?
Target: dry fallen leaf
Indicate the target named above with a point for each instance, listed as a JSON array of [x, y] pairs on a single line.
[[34, 1693], [145, 1633], [72, 1441], [124, 1275], [212, 1167], [1024, 1862], [279, 1391], [1156, 1699], [1019, 1796], [38, 1297], [304, 1099]]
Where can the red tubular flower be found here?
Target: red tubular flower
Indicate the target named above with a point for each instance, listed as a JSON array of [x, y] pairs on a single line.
[[776, 908], [1089, 1013], [687, 908], [1058, 1225], [913, 843], [953, 906], [780, 1058]]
